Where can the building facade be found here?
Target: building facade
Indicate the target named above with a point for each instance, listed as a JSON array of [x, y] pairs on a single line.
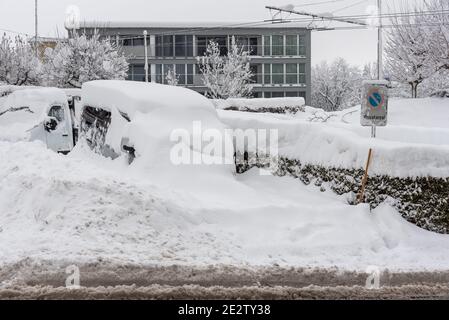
[[280, 53]]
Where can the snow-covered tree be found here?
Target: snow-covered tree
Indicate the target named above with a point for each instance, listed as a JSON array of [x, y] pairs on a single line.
[[435, 30], [407, 57], [171, 78], [226, 76], [18, 62], [82, 58], [336, 86]]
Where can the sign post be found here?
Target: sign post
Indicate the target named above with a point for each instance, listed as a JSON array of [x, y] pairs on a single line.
[[374, 113]]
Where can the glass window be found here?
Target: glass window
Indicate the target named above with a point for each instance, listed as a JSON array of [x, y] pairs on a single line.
[[291, 48], [267, 94], [253, 46], [202, 45], [138, 42], [127, 42], [267, 74], [138, 72], [159, 46], [57, 112], [181, 73], [254, 71], [277, 46], [277, 73], [277, 94], [190, 74], [167, 68], [267, 46], [291, 94], [302, 73], [180, 46], [302, 45], [291, 73], [189, 46], [159, 73], [168, 46]]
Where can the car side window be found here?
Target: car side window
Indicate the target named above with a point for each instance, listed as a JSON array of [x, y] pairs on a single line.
[[56, 112]]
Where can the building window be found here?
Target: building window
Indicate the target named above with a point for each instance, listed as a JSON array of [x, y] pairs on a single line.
[[267, 74], [181, 73], [183, 46], [276, 94], [203, 42], [277, 47], [184, 73], [277, 73], [168, 46], [302, 73], [136, 72], [291, 47], [248, 44], [291, 94], [302, 45], [190, 74], [291, 75], [267, 46]]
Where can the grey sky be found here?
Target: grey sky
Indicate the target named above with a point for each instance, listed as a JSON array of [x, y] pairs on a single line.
[[357, 47]]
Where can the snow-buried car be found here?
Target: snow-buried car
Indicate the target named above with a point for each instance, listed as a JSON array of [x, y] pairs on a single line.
[[34, 113], [137, 120]]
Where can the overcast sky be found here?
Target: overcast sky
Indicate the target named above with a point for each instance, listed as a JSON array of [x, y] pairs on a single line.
[[358, 47]]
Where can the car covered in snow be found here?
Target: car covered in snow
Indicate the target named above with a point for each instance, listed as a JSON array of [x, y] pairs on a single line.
[[34, 113], [136, 119]]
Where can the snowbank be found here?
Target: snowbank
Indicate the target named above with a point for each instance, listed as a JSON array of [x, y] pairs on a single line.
[[75, 210]]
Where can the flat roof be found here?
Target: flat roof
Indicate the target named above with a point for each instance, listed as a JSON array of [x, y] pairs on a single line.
[[190, 25]]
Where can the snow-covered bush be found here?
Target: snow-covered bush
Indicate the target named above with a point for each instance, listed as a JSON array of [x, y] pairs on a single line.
[[422, 201], [226, 76], [18, 62], [81, 59], [261, 105], [335, 86]]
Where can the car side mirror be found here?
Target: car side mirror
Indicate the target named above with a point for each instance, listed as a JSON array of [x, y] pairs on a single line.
[[50, 124]]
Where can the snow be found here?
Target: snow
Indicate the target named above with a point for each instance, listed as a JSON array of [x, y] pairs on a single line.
[[82, 208], [414, 144]]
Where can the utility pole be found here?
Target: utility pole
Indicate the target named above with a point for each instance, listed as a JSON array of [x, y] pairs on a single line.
[[380, 45], [145, 34], [35, 27]]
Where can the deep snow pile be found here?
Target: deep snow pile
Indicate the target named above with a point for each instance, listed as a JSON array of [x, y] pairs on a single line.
[[81, 208]]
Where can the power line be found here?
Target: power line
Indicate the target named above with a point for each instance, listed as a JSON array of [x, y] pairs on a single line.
[[317, 3], [349, 6]]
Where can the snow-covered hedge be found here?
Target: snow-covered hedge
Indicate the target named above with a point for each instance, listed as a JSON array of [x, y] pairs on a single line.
[[260, 105], [423, 201], [414, 177]]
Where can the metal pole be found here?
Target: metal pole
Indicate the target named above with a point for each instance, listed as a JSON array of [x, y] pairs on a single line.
[[380, 44], [145, 34], [373, 131]]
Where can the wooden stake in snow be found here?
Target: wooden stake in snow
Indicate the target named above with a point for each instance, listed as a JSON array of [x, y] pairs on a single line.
[[365, 178]]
